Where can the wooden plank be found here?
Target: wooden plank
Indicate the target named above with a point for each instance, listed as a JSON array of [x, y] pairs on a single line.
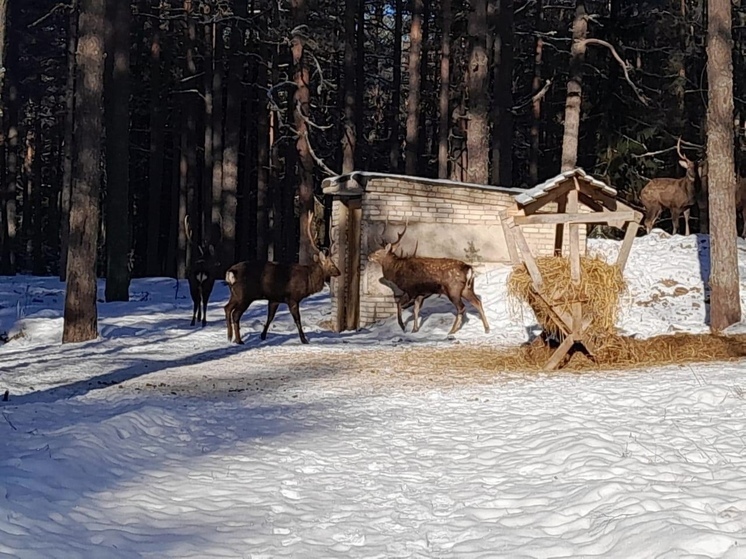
[[528, 258], [629, 238], [509, 238], [355, 214], [560, 317], [553, 195], [574, 240], [340, 286], [577, 218], [606, 200], [560, 353], [560, 229]]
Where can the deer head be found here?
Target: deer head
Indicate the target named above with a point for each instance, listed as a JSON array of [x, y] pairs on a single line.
[[205, 250], [695, 171], [321, 257], [388, 248]]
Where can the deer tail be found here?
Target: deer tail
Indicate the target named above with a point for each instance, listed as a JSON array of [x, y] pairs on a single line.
[[470, 278]]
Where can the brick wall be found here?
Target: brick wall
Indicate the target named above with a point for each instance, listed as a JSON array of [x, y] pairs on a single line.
[[445, 220]]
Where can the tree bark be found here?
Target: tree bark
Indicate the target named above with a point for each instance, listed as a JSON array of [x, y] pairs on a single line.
[[209, 121], [67, 154], [477, 138], [360, 140], [263, 166], [393, 112], [229, 202], [725, 303], [301, 106], [80, 317], [10, 178], [444, 113], [574, 89], [414, 134], [156, 158], [536, 123], [117, 98], [38, 266], [349, 137], [502, 119], [216, 230]]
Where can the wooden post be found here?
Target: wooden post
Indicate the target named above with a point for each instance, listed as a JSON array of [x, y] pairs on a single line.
[[629, 238], [354, 230], [339, 284], [506, 224], [560, 227]]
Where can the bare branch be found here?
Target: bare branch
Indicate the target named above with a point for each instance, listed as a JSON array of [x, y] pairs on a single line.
[[534, 98], [49, 14], [625, 66]]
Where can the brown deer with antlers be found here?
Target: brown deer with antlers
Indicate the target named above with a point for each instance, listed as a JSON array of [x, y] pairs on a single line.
[[201, 273], [420, 277], [678, 195], [276, 283]]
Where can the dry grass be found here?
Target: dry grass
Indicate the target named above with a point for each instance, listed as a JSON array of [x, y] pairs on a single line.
[[599, 290], [613, 352]]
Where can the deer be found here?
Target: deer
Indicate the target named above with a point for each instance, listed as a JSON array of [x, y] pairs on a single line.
[[276, 283], [678, 195], [419, 277], [201, 274]]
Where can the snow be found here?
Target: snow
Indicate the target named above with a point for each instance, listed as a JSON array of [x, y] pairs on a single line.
[[162, 440]]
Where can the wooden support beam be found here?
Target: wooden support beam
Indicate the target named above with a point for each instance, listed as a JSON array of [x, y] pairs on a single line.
[[560, 228], [551, 196], [578, 218], [528, 258], [629, 238], [355, 216], [574, 240], [505, 222], [560, 353]]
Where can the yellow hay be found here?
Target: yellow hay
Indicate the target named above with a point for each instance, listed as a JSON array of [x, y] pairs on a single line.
[[613, 352], [599, 290]]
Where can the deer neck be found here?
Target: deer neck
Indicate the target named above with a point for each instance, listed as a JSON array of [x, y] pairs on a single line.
[[316, 277]]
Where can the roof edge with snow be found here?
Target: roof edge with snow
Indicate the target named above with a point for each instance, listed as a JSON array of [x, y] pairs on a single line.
[[539, 191], [353, 184]]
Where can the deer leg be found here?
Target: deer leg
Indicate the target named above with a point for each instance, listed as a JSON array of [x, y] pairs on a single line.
[[651, 217], [460, 309], [686, 221], [235, 319], [195, 310], [271, 311], [401, 303], [417, 306], [743, 216], [675, 215], [472, 297], [295, 311], [229, 306]]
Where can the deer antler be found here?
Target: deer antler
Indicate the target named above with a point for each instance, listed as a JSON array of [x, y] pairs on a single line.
[[395, 244], [681, 154], [310, 233], [187, 229]]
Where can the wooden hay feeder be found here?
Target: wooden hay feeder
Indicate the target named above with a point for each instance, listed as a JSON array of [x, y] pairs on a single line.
[[568, 190]]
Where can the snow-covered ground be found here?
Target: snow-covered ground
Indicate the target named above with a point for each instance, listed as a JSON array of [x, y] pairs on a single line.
[[162, 440]]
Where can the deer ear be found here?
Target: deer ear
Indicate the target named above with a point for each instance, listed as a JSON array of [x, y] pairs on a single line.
[[388, 247], [684, 164], [316, 257]]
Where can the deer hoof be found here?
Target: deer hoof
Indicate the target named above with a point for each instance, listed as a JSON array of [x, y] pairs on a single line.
[[263, 336], [304, 340]]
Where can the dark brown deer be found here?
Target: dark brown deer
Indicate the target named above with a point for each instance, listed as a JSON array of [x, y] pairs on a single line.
[[420, 277], [678, 195], [201, 273], [276, 283]]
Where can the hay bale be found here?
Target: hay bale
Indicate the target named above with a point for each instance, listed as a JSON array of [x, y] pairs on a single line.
[[599, 289]]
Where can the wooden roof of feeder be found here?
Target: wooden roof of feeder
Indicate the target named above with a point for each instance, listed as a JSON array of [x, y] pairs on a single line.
[[568, 189]]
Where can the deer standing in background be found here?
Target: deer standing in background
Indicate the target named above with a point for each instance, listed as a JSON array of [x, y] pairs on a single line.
[[678, 195], [420, 277], [201, 274], [276, 283]]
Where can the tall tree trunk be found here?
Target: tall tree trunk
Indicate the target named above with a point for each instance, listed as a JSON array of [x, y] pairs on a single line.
[[535, 150], [574, 89], [263, 202], [38, 266], [235, 93], [117, 96], [477, 138], [444, 113], [393, 113], [80, 317], [10, 178], [3, 201], [67, 154], [725, 303], [360, 89], [209, 121], [301, 106], [153, 265], [349, 137], [414, 134], [216, 231], [502, 116]]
